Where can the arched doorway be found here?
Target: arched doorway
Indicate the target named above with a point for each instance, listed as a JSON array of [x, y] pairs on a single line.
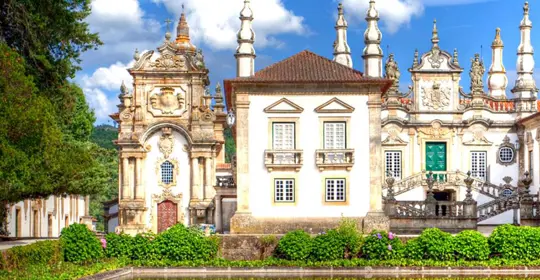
[[167, 215]]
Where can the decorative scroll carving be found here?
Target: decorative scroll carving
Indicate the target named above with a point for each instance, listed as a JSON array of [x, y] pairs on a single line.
[[170, 61], [167, 101], [436, 60], [478, 139], [166, 142], [435, 131], [436, 97], [393, 139]]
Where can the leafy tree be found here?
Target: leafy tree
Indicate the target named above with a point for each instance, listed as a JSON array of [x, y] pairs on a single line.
[[230, 148]]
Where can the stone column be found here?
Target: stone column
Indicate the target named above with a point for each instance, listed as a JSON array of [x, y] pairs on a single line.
[[218, 214], [209, 191], [139, 189], [242, 153], [375, 219], [195, 177], [126, 192], [87, 205]]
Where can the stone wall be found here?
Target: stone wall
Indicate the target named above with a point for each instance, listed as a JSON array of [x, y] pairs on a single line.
[[248, 224]]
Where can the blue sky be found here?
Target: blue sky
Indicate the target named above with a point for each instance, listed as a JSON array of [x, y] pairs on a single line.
[[286, 27]]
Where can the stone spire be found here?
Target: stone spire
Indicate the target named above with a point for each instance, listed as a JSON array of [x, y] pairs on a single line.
[[525, 86], [435, 36], [183, 40], [245, 53], [497, 80], [373, 53], [342, 51]]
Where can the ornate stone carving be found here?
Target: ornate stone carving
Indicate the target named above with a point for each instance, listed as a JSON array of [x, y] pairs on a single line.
[[436, 97], [393, 138], [478, 139], [166, 142], [170, 61], [435, 131], [476, 74], [392, 72], [175, 167], [167, 101], [167, 194], [436, 59], [506, 155]]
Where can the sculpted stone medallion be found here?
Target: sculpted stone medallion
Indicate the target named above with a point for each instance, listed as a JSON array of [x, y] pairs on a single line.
[[166, 142], [170, 61], [167, 101], [436, 97]]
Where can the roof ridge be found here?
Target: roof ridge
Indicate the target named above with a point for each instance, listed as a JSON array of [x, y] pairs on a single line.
[[271, 66]]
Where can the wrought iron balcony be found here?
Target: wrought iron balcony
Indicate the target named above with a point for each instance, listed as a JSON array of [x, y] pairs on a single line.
[[225, 181], [283, 159], [335, 159]]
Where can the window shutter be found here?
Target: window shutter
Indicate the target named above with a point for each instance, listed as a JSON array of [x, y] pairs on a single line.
[[284, 136], [334, 135]]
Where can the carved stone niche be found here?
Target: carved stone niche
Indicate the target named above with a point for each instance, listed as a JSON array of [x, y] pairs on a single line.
[[478, 138], [393, 138], [167, 101]]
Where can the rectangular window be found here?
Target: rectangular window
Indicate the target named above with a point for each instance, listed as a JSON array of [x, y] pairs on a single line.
[[478, 165], [284, 190], [283, 136], [334, 135], [393, 164], [335, 190]]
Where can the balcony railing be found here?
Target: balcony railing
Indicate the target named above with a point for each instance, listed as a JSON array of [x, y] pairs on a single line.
[[335, 159], [283, 159]]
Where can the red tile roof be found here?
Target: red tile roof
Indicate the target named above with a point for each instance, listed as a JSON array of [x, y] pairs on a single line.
[[307, 67]]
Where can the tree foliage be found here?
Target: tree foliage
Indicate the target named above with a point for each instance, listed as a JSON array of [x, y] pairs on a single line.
[[45, 122]]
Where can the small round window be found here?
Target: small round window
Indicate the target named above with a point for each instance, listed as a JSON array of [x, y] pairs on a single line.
[[506, 155]]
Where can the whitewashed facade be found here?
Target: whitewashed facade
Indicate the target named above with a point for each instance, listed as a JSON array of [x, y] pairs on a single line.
[[45, 218]]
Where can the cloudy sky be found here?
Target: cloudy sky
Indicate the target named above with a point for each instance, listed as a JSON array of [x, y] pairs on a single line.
[[286, 27]]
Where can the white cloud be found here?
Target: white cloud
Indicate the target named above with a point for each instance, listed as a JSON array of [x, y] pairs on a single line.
[[393, 13], [215, 22], [105, 80]]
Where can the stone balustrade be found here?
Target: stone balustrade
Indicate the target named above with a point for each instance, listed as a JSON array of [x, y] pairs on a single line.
[[334, 159], [283, 159]]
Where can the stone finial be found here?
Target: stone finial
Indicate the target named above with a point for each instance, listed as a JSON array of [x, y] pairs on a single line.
[[168, 33], [218, 98], [136, 55], [497, 79], [526, 181], [342, 51], [430, 182], [435, 35], [183, 40], [390, 184], [468, 182], [245, 53], [372, 39], [497, 42], [123, 88], [415, 60], [525, 83], [455, 58]]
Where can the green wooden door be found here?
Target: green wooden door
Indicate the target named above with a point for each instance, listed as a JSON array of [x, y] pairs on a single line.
[[435, 156]]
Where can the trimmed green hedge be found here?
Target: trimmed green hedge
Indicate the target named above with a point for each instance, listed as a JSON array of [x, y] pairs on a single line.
[[38, 253]]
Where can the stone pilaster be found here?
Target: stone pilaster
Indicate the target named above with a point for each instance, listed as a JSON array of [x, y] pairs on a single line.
[[126, 192], [195, 185], [209, 191], [139, 188], [219, 214], [376, 219]]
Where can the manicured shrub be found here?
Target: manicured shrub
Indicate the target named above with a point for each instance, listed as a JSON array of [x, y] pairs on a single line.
[[413, 250], [38, 253], [295, 245], [180, 243], [515, 243], [144, 247], [328, 246], [118, 245], [79, 244], [352, 237], [471, 245], [380, 245], [437, 244]]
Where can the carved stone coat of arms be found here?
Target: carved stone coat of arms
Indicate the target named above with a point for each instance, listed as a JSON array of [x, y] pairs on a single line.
[[167, 101], [436, 97]]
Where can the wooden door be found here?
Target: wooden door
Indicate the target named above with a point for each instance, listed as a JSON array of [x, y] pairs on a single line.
[[167, 215], [436, 158]]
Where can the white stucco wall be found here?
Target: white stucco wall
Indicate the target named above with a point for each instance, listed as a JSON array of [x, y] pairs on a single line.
[[309, 185], [152, 174], [27, 218]]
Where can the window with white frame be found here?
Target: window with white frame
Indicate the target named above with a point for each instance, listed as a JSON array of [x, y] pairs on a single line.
[[283, 136], [335, 190], [334, 135], [284, 190], [167, 172], [478, 165], [393, 164]]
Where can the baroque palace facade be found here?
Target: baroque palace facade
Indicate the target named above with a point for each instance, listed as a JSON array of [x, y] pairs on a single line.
[[317, 140]]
